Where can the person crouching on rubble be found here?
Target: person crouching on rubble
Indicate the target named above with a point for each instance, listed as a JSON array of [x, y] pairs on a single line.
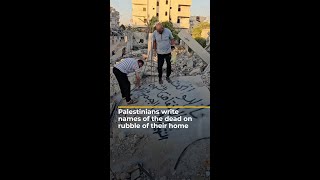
[[121, 71]]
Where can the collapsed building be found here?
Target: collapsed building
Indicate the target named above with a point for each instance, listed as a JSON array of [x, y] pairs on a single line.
[[158, 153]]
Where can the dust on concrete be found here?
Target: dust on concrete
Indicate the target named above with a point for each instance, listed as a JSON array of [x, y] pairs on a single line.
[[130, 147]]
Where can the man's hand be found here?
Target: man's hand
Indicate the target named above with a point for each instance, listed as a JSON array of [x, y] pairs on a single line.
[[138, 85], [154, 53], [138, 78], [173, 42]]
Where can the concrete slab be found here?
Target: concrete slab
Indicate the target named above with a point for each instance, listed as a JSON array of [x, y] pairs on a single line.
[[195, 46], [163, 146]]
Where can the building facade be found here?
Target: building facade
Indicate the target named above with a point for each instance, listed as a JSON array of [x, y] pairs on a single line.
[[114, 18], [175, 11]]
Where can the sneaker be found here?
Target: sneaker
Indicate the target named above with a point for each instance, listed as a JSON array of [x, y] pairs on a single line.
[[132, 101], [160, 81], [169, 80]]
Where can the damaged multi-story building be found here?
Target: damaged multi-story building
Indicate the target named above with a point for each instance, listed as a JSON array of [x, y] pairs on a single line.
[[175, 11]]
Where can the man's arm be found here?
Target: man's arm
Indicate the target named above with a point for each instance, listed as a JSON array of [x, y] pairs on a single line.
[[154, 48], [172, 42], [154, 41], [138, 78], [155, 45]]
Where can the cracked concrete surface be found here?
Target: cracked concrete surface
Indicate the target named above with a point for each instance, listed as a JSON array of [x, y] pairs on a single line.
[[158, 149]]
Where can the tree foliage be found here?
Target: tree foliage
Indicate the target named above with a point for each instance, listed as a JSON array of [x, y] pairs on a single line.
[[201, 41], [196, 31], [169, 25], [150, 23]]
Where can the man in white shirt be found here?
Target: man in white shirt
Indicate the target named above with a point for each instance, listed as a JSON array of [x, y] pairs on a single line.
[[121, 71]]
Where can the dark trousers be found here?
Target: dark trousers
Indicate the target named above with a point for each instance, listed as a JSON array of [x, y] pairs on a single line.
[[161, 58], [124, 83]]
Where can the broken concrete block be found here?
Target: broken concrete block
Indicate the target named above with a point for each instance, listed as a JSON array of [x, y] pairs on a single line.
[[135, 174], [124, 176], [133, 167], [195, 46], [190, 63], [195, 71]]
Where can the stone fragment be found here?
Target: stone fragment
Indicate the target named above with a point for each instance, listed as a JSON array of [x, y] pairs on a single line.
[[135, 174], [195, 71], [194, 45], [163, 178], [133, 167], [124, 176], [190, 63]]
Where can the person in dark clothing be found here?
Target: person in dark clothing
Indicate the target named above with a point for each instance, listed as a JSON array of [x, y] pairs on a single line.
[[121, 71]]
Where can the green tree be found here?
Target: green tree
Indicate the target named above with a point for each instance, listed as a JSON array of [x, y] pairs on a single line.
[[201, 41], [169, 25], [150, 24], [196, 31], [204, 25]]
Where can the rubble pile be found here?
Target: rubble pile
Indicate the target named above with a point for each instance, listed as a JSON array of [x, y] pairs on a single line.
[[189, 65], [133, 172], [128, 143], [137, 46], [129, 148], [206, 79], [183, 64]]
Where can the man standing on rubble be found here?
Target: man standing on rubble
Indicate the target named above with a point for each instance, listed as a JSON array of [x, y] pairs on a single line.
[[121, 71], [162, 43]]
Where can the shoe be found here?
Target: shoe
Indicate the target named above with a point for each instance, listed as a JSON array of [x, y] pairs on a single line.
[[132, 101], [160, 81], [168, 79]]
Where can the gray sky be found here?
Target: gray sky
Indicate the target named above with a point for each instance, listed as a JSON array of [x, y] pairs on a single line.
[[198, 8]]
